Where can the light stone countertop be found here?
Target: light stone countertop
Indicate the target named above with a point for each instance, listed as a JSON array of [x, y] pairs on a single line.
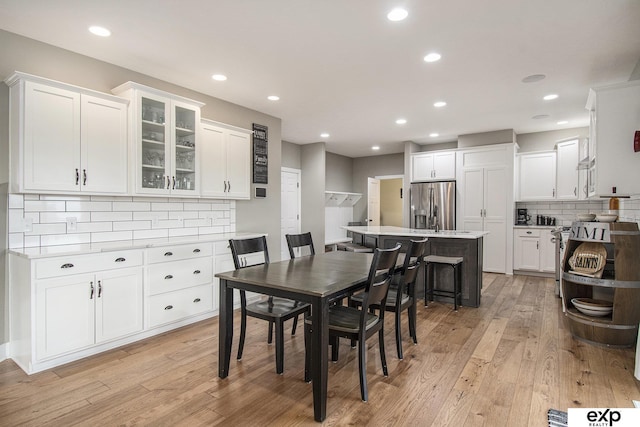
[[119, 245], [387, 230]]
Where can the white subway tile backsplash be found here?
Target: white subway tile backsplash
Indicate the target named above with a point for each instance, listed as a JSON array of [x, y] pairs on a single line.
[[112, 236], [151, 234], [64, 239], [111, 216], [46, 206], [88, 206], [48, 217], [131, 225], [167, 206], [16, 201], [131, 206]]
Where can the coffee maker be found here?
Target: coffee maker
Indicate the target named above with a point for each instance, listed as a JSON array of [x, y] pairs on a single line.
[[522, 218]]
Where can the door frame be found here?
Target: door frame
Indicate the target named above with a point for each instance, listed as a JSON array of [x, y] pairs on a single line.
[[297, 172], [383, 177]]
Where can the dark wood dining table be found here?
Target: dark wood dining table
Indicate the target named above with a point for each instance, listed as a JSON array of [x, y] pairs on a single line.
[[318, 280]]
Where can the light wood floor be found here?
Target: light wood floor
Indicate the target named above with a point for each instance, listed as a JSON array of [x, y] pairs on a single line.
[[504, 363]]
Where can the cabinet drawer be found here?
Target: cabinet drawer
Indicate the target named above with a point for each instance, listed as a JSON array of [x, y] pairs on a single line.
[[175, 253], [171, 276], [64, 266], [222, 248], [523, 232], [177, 305]]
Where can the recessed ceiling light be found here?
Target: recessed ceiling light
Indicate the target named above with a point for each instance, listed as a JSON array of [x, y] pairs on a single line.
[[434, 135], [219, 77], [432, 57], [439, 104], [550, 97], [540, 116], [397, 14], [401, 121], [324, 135], [375, 147], [563, 122], [273, 98], [533, 78], [99, 31]]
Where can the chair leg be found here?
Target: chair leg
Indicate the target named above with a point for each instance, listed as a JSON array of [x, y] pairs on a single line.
[[279, 346], [383, 356], [362, 363], [243, 331], [428, 284], [270, 336], [456, 281], [398, 319], [335, 344], [295, 325], [411, 310]]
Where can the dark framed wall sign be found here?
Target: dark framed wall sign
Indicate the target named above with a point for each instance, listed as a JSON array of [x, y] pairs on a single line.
[[260, 154]]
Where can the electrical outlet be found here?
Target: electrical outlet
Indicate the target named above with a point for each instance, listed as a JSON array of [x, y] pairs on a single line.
[[72, 223], [27, 224], [180, 219]]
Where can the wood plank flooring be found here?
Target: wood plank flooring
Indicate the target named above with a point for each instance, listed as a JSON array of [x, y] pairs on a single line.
[[505, 363]]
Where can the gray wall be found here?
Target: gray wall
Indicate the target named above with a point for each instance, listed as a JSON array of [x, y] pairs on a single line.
[[365, 167], [4, 289], [545, 141], [290, 155], [486, 138], [30, 56], [452, 145], [339, 173], [313, 161]]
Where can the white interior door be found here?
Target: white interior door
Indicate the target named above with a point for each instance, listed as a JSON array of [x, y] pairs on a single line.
[[290, 207], [373, 201]]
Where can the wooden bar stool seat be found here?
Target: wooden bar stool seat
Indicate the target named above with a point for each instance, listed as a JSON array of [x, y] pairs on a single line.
[[430, 290], [353, 247]]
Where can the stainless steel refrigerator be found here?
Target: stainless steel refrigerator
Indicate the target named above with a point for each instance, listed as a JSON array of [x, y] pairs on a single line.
[[433, 205]]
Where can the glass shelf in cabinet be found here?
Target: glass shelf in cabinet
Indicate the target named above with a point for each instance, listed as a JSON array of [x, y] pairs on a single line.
[[153, 167], [153, 142], [152, 123]]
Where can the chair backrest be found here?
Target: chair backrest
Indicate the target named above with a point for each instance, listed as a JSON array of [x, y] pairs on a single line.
[[241, 247], [380, 274], [412, 260], [299, 241]]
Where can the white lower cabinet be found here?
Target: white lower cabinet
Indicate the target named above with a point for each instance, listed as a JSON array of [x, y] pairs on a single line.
[[533, 250], [179, 282]]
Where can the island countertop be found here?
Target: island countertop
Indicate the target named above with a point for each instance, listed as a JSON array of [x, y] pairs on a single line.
[[387, 230]]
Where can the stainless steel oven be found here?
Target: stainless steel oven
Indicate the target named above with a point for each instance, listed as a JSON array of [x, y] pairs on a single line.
[[560, 237]]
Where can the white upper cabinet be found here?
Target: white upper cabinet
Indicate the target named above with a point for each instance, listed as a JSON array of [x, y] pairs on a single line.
[[537, 176], [165, 132], [568, 156], [226, 159], [66, 139], [615, 117], [437, 165]]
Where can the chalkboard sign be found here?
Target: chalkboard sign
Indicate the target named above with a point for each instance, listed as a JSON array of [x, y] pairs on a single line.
[[260, 154]]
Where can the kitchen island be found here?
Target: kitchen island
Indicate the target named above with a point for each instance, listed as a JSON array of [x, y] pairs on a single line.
[[466, 244]]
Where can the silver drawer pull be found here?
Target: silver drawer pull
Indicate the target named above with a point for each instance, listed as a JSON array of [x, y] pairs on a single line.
[[528, 232], [196, 272], [67, 265], [169, 307], [196, 300], [168, 254], [168, 276], [196, 250], [120, 259]]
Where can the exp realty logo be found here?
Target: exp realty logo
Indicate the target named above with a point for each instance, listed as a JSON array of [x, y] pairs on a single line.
[[603, 417]]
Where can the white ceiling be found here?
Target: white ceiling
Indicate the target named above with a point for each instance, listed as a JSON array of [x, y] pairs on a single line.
[[339, 66]]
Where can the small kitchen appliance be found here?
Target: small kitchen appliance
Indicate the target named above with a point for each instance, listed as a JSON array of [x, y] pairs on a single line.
[[522, 218]]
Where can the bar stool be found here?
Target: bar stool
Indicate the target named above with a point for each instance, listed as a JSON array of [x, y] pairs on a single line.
[[456, 264]]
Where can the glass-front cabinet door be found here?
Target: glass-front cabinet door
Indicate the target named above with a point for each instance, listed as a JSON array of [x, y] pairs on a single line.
[[166, 136]]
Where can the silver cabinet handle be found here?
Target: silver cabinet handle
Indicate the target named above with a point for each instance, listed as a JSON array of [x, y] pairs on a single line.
[[225, 186], [553, 192], [168, 182], [168, 276], [173, 187], [168, 254], [84, 177], [169, 307], [196, 250], [77, 176], [67, 265], [575, 191], [91, 290], [229, 182], [196, 272], [528, 232], [121, 259], [537, 245], [99, 288], [196, 300]]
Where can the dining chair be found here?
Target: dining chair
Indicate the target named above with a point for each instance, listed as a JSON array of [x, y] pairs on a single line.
[[360, 324], [402, 292], [274, 310], [301, 241]]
